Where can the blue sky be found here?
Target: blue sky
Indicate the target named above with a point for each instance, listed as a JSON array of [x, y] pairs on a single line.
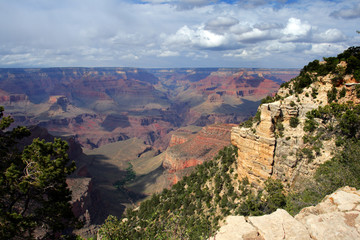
[[175, 33]]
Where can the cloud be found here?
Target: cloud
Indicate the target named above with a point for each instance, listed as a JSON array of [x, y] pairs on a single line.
[[268, 25], [168, 53], [197, 37], [183, 4], [330, 36], [190, 4], [254, 36], [221, 23], [295, 30], [347, 13], [173, 33]]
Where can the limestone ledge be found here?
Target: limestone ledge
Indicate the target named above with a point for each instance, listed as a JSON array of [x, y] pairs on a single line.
[[336, 217]]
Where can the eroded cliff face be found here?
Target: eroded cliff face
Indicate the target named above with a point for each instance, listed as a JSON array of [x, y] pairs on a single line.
[[194, 149], [256, 146], [272, 147]]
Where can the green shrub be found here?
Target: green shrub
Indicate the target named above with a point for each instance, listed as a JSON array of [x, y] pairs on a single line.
[[267, 99], [357, 90], [257, 116], [331, 95], [314, 92], [342, 93], [247, 124], [310, 125], [294, 122]]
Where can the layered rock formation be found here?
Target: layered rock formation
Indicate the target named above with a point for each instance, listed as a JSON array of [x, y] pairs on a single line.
[[194, 149], [105, 105], [336, 217], [272, 147], [189, 147]]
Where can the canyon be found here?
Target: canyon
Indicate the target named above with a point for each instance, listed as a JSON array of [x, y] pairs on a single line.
[[102, 105], [162, 122]]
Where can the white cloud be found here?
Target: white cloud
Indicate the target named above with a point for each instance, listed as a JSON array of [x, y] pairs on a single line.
[[348, 13], [197, 37], [330, 35], [255, 35], [168, 53], [296, 30]]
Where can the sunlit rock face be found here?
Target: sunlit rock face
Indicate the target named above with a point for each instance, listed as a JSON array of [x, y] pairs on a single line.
[[265, 152], [335, 217]]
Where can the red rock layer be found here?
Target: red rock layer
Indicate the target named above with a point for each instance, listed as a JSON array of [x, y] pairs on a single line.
[[199, 147]]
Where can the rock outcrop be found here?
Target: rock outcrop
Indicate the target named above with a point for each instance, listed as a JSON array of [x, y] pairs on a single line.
[[336, 217], [272, 146], [257, 146]]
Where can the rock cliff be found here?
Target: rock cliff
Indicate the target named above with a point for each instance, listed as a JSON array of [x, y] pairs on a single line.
[[194, 149], [336, 217], [272, 145]]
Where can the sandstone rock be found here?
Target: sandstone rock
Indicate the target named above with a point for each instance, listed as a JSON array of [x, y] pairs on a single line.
[[336, 217], [279, 225], [237, 228], [264, 152], [256, 147]]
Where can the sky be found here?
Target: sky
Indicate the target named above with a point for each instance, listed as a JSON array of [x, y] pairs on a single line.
[[175, 33]]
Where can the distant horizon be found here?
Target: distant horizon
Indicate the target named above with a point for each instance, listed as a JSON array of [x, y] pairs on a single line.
[[155, 67]]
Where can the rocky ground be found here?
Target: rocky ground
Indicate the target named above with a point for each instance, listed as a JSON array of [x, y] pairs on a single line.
[[336, 217]]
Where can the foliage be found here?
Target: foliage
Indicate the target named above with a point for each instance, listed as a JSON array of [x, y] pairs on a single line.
[[193, 207], [302, 81], [33, 189], [130, 175], [269, 99], [314, 92], [280, 127], [331, 95], [309, 73], [310, 125], [249, 123], [294, 122], [342, 93], [357, 89], [257, 116], [342, 121]]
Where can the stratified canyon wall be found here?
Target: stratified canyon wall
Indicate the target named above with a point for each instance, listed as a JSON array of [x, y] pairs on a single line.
[[99, 106], [265, 151]]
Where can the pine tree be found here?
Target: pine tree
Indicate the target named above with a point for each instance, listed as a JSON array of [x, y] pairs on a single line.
[[33, 189]]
